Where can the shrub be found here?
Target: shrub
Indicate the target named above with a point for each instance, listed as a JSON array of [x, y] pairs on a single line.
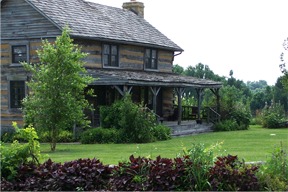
[[84, 174], [271, 120], [100, 135], [242, 116], [229, 174], [133, 120], [198, 163], [226, 125], [194, 171], [136, 122], [167, 175], [256, 121], [274, 173], [110, 115], [131, 176], [273, 116], [144, 174], [235, 107], [238, 118], [7, 134], [63, 137], [161, 132], [16, 154]]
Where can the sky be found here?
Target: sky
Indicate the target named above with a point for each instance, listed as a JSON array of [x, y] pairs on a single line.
[[245, 36]]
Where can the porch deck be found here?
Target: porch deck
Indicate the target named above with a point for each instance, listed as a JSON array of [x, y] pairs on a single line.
[[188, 127]]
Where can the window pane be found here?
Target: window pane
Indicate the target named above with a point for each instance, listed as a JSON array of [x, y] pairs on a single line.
[[151, 58], [154, 54], [106, 60], [21, 58], [114, 50], [153, 64], [19, 49], [113, 61], [106, 49], [147, 63], [110, 55], [19, 53], [147, 53], [17, 93]]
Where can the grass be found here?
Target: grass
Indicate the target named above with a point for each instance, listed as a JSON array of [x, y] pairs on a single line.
[[255, 144]]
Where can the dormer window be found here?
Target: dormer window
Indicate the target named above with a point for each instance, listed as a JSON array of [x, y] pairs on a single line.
[[19, 54], [151, 59], [110, 55]]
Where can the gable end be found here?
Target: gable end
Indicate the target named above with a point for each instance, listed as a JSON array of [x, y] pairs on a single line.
[[19, 20]]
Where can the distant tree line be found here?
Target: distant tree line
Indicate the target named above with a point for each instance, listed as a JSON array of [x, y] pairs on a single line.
[[254, 95]]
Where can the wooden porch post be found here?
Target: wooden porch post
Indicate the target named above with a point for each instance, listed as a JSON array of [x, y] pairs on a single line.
[[126, 89], [199, 92], [155, 91], [180, 92]]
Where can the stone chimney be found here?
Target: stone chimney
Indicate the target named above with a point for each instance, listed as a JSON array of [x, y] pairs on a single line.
[[134, 6]]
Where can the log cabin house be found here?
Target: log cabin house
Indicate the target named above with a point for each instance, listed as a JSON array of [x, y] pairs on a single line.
[[126, 54]]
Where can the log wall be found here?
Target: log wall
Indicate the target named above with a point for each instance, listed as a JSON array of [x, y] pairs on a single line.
[[21, 24], [19, 20]]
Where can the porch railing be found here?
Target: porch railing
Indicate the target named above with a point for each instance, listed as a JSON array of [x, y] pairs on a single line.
[[188, 113], [191, 113], [212, 115]]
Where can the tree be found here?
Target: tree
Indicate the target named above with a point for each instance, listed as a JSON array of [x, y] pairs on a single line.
[[239, 84], [231, 73], [177, 69], [283, 65], [281, 94], [57, 98], [200, 71], [256, 86]]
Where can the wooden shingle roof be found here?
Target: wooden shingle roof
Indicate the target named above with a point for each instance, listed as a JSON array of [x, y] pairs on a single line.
[[149, 78], [100, 22]]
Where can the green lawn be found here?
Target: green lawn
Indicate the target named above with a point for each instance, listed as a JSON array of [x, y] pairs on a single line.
[[255, 144]]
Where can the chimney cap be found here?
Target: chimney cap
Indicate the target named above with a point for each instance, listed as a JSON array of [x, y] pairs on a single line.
[[134, 6]]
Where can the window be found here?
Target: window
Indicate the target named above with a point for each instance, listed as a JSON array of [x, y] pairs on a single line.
[[151, 59], [19, 53], [110, 55], [17, 93]]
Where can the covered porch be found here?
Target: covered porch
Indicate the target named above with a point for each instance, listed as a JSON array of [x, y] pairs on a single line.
[[156, 91]]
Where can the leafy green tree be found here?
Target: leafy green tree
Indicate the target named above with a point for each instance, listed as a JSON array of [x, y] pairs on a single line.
[[233, 106], [256, 86], [240, 85], [57, 98], [177, 69], [280, 93], [200, 71], [283, 65], [258, 101]]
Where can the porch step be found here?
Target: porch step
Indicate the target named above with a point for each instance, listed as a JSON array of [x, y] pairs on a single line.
[[188, 128]]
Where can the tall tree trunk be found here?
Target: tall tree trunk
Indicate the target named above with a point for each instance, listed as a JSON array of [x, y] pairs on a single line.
[[53, 139], [52, 145]]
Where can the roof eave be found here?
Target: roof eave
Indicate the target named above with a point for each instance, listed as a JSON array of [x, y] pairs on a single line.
[[127, 42]]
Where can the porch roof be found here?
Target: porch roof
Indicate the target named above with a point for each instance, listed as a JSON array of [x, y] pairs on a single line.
[[148, 78]]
